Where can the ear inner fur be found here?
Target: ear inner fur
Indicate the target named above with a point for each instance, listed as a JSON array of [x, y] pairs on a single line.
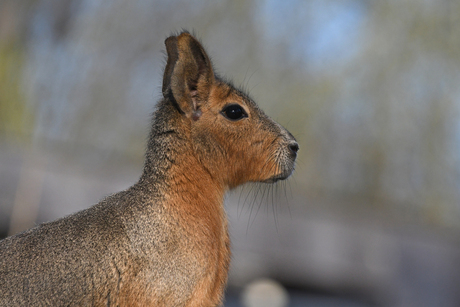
[[173, 56], [188, 74]]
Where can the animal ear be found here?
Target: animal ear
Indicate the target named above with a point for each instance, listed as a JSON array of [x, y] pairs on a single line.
[[188, 75]]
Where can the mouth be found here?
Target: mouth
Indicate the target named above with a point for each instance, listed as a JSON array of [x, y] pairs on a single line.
[[277, 178], [286, 168]]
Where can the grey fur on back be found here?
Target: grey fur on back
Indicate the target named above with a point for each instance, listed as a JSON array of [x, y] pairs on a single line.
[[77, 260]]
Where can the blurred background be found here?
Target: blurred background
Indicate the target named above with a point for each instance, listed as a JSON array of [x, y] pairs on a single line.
[[370, 89]]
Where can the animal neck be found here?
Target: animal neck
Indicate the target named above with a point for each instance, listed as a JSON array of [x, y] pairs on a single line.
[[171, 168]]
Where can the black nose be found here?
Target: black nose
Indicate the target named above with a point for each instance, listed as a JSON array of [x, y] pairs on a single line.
[[294, 148]]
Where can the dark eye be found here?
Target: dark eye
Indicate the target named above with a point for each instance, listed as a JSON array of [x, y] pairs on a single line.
[[234, 112]]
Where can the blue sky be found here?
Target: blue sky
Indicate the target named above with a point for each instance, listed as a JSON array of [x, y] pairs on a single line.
[[319, 33]]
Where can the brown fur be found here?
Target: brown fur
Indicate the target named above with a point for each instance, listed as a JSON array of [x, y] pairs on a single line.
[[164, 241]]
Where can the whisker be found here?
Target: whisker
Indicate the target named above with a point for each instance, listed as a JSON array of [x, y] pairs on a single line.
[[251, 221]]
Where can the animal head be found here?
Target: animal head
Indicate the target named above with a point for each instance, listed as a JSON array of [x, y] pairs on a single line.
[[230, 135]]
